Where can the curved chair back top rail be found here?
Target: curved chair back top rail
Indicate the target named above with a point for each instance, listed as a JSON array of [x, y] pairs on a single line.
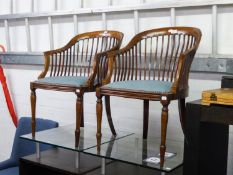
[[158, 54], [78, 57]]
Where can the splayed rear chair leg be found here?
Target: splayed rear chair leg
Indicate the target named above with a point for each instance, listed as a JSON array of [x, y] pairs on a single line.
[[145, 118], [109, 116]]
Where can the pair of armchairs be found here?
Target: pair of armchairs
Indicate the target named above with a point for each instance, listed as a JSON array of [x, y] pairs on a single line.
[[153, 66]]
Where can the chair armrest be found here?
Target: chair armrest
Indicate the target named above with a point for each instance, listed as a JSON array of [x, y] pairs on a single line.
[[46, 67], [8, 164], [47, 55], [182, 76], [99, 57], [111, 60], [47, 58]]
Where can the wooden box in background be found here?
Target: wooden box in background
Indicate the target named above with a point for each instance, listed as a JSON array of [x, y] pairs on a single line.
[[222, 96]]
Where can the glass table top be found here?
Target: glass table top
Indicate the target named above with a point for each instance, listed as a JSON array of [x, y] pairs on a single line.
[[126, 147], [64, 137], [133, 149]]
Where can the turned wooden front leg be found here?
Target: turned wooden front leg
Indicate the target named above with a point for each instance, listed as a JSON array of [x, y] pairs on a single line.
[[33, 111], [79, 108], [164, 121], [99, 109]]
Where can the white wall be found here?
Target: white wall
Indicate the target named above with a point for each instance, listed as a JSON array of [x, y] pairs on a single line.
[[64, 28]]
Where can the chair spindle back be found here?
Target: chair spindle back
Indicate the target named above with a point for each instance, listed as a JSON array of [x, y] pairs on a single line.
[[154, 54], [77, 57]]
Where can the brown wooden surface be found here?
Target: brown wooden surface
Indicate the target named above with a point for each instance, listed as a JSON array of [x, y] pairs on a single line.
[[223, 96], [163, 54], [33, 108], [84, 55]]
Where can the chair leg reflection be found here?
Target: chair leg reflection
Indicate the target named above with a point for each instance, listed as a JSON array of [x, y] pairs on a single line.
[[103, 166], [77, 160], [38, 150]]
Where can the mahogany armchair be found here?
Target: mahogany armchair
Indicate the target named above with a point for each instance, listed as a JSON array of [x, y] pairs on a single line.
[[77, 67], [153, 66]]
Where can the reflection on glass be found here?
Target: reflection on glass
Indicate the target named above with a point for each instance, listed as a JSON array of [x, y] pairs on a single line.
[[133, 149], [126, 147], [64, 137]]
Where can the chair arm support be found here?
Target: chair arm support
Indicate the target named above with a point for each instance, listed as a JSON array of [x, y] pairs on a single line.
[[182, 76], [47, 55], [46, 66], [95, 66], [111, 58], [99, 57]]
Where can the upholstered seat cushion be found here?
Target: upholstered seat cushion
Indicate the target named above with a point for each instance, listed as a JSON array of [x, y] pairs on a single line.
[[74, 81], [10, 171], [151, 86]]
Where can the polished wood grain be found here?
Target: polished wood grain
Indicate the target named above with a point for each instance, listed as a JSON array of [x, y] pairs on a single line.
[[222, 96], [85, 56], [163, 54], [109, 116], [33, 107]]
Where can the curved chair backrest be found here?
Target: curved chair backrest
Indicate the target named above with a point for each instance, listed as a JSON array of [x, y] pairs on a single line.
[[22, 147], [154, 54], [77, 57]]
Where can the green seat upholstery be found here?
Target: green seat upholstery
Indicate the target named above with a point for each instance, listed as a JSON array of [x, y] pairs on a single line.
[[64, 80], [153, 86]]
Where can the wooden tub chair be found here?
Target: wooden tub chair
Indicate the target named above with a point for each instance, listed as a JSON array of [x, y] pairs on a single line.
[[77, 67], [153, 66]]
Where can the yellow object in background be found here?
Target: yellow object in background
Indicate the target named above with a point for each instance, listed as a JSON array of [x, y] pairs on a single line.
[[222, 96]]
